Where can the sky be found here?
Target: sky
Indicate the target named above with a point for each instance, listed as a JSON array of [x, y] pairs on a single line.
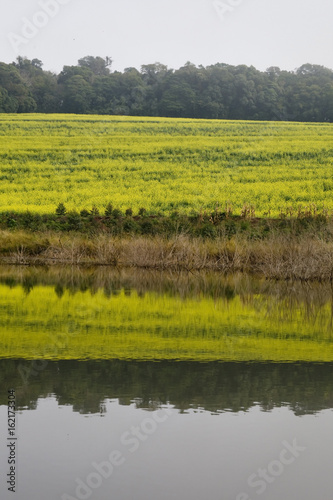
[[261, 33]]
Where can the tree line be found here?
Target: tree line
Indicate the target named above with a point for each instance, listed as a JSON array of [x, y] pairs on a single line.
[[219, 91]]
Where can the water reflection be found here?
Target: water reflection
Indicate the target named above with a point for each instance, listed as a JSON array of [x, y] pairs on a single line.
[[105, 314], [78, 343], [285, 297], [305, 388]]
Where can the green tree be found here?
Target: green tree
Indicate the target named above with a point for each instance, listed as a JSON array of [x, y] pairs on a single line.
[[42, 84], [77, 95], [17, 95], [98, 65]]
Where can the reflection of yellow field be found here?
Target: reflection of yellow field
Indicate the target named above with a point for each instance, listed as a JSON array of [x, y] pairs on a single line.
[[162, 164], [123, 326]]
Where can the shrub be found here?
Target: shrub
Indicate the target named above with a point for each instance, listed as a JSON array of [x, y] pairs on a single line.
[[244, 226], [130, 226], [116, 214], [74, 221], [230, 227], [61, 209], [11, 222], [27, 220], [207, 231], [94, 210], [147, 227], [108, 210]]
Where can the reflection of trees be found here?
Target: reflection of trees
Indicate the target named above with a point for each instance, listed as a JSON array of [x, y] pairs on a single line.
[[305, 387]]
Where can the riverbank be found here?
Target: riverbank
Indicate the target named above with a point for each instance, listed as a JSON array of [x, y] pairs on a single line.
[[279, 254]]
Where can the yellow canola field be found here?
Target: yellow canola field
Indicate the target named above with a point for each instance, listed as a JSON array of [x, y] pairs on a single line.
[[162, 164]]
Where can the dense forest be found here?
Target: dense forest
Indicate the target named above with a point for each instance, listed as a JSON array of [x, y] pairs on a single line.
[[220, 91]]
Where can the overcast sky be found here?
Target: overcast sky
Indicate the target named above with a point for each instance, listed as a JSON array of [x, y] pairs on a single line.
[[262, 33]]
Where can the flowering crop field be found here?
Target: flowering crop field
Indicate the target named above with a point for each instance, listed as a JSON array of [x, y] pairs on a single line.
[[163, 164]]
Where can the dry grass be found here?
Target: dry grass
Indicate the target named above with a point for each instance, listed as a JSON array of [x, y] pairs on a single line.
[[293, 258], [278, 257]]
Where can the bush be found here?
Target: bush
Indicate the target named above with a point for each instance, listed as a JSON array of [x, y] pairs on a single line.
[[207, 231], [116, 214], [37, 223], [147, 227], [61, 209], [94, 210], [74, 221], [11, 222], [230, 227], [130, 226], [108, 210], [27, 220]]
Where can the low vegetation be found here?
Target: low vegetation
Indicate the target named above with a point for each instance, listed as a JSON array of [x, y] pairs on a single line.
[[278, 256]]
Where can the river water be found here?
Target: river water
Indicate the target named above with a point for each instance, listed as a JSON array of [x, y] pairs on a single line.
[[142, 385]]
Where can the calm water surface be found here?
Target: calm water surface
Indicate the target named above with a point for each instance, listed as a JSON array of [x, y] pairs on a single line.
[[193, 388]]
